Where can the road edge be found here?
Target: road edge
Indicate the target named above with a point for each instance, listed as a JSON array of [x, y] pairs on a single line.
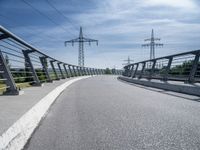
[[18, 134], [185, 89]]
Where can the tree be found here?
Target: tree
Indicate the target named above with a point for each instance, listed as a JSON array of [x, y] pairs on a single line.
[[183, 69], [107, 71]]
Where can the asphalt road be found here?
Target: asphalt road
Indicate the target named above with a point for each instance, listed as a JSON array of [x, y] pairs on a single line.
[[102, 113]]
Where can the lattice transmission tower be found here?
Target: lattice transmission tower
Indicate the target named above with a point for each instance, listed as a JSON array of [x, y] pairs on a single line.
[[128, 61], [152, 44], [81, 40]]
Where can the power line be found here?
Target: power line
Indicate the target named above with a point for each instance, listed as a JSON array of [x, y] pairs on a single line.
[[128, 61], [59, 12], [46, 16], [28, 34]]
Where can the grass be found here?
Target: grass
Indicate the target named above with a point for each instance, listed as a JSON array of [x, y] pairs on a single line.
[[19, 86]]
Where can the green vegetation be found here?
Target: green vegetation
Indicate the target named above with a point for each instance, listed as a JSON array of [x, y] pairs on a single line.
[[183, 69], [108, 71]]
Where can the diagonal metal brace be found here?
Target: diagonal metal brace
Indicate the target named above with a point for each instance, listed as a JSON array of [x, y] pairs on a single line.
[[12, 88], [28, 61]]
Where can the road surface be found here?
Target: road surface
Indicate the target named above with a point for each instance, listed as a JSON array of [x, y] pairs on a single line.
[[102, 113]]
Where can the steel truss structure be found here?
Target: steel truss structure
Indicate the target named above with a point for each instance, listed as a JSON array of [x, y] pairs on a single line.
[[152, 44], [81, 40]]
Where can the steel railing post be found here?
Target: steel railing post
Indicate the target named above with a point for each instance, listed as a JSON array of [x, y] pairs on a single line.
[[78, 70], [44, 66], [88, 71], [152, 70], [74, 71], [64, 66], [91, 72], [30, 65], [135, 72], [126, 70], [61, 72], [54, 70], [84, 71], [193, 70], [95, 70], [131, 71], [167, 69], [142, 71], [103, 71], [9, 81], [70, 70]]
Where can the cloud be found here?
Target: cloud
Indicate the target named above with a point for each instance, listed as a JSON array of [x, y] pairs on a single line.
[[183, 4], [119, 25]]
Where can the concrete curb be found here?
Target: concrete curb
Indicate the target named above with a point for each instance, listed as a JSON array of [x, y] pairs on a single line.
[[186, 89], [17, 135]]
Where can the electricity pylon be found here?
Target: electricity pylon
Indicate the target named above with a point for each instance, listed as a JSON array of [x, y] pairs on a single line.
[[128, 61], [81, 40], [152, 44]]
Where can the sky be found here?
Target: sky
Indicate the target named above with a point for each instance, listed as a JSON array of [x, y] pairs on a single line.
[[120, 26]]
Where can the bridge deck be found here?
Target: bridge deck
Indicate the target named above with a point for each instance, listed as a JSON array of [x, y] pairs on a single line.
[[104, 113]]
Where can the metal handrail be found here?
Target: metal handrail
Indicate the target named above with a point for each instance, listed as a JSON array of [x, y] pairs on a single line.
[[29, 63]]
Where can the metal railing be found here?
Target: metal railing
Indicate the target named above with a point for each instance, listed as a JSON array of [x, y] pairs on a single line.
[[24, 65], [179, 67]]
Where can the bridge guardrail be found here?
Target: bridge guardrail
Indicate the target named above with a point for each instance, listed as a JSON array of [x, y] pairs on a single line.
[[24, 65], [179, 67]]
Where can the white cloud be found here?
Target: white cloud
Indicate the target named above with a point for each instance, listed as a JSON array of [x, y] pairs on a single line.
[[119, 25], [184, 4]]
